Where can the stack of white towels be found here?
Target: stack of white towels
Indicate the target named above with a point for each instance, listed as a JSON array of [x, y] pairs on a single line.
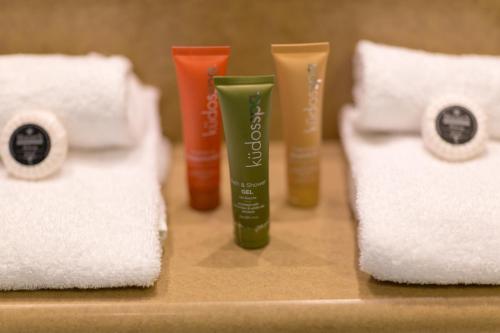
[[99, 221], [421, 219]]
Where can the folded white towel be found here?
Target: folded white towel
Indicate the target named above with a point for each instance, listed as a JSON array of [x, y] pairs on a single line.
[[423, 220], [395, 85], [92, 94], [94, 224]]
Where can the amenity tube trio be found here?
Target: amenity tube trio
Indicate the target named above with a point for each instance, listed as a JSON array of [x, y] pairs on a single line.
[[245, 103]]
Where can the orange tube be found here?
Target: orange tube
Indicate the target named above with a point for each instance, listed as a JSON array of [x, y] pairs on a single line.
[[195, 68]]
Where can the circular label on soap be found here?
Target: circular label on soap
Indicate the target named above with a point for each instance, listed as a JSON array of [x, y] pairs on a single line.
[[29, 144], [456, 125]]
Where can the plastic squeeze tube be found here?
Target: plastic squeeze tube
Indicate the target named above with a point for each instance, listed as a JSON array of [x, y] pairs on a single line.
[[301, 74], [196, 68], [246, 107]]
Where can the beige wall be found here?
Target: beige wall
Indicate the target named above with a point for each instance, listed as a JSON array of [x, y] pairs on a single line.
[[144, 30]]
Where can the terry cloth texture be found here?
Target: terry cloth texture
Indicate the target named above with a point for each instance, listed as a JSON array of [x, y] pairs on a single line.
[[422, 220], [96, 223]]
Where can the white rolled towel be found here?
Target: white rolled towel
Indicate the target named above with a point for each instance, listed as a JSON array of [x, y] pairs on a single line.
[[421, 219], [92, 94], [96, 224], [395, 85]]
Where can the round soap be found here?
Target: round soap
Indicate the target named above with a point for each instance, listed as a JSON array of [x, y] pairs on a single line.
[[33, 144], [454, 128]]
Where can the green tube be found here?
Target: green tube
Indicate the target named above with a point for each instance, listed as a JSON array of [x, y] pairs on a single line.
[[246, 106]]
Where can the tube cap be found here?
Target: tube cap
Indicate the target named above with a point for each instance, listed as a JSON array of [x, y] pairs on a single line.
[[252, 237], [204, 200]]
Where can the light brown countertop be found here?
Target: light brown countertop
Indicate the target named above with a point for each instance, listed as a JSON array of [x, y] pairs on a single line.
[[306, 279]]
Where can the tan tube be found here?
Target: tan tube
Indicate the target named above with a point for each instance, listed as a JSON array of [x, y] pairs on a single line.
[[301, 71]]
